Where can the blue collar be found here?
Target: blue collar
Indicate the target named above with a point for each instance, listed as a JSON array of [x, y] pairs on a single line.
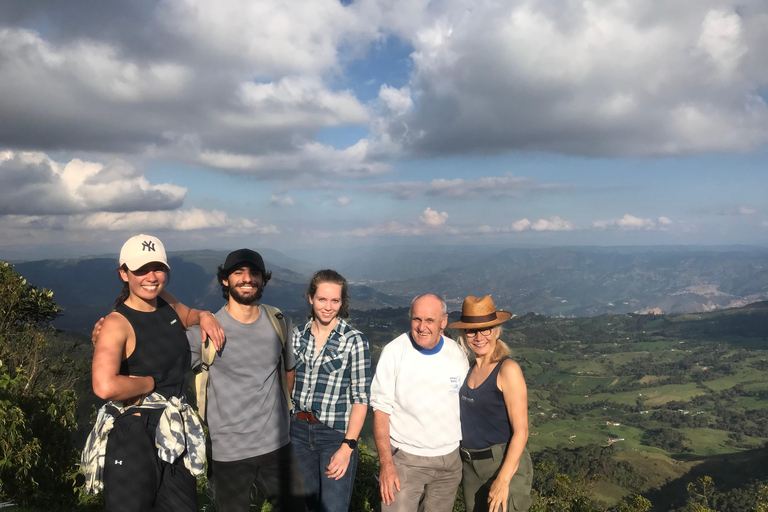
[[427, 351]]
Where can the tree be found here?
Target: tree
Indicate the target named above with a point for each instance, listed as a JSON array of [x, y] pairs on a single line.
[[557, 492], [38, 460], [700, 493], [636, 504]]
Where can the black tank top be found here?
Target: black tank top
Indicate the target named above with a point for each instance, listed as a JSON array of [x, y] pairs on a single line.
[[162, 351], [484, 420]]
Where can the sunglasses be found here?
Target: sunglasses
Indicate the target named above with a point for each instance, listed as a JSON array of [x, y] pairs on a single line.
[[471, 333]]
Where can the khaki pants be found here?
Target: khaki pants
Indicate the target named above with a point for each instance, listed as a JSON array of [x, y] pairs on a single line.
[[427, 484], [478, 476]]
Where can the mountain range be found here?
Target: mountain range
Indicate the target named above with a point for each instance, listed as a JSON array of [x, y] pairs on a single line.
[[558, 281]]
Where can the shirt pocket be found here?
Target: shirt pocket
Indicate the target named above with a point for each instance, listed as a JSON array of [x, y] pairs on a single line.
[[333, 362]]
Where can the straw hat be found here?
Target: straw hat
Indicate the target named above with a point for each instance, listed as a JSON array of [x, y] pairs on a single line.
[[479, 313]]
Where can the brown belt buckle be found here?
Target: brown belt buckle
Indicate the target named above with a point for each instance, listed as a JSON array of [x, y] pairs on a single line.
[[307, 416]]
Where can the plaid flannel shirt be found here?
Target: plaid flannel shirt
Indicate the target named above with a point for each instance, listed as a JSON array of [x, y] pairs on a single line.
[[328, 383]]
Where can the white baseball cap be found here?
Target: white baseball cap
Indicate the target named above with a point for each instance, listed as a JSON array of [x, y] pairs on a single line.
[[142, 249]]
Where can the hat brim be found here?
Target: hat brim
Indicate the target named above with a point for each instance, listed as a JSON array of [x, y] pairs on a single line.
[[501, 317], [135, 264]]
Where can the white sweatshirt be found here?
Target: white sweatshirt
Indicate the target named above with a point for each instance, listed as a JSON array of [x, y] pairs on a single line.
[[420, 392]]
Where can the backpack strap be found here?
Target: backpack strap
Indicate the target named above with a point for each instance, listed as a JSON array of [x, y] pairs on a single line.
[[201, 377], [278, 322]]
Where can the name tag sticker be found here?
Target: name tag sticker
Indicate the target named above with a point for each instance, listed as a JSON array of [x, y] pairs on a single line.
[[455, 385]]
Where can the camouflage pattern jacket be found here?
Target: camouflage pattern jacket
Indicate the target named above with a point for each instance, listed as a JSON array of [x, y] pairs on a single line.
[[179, 433]]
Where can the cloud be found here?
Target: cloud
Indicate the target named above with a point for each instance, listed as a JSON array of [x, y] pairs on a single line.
[[31, 183], [311, 159], [281, 201], [231, 78], [492, 186], [431, 217], [554, 223], [193, 219], [721, 40], [630, 223], [248, 86], [430, 222], [591, 78], [343, 201], [179, 220]]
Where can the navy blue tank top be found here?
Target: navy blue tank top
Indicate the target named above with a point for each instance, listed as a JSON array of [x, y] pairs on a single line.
[[162, 350], [484, 420]]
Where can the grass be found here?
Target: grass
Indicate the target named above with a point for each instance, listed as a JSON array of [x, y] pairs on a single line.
[[656, 468], [659, 395], [557, 432]]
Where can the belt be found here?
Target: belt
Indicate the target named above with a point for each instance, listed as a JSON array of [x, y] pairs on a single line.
[[307, 416], [470, 455]]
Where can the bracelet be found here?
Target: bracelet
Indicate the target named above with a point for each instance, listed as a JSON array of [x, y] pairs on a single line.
[[205, 313]]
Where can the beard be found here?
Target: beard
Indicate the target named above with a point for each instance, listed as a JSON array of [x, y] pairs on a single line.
[[245, 300]]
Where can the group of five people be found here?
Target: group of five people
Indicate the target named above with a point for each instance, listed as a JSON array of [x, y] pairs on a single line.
[[285, 406]]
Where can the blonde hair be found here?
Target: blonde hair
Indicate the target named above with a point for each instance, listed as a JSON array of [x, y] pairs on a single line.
[[500, 351]]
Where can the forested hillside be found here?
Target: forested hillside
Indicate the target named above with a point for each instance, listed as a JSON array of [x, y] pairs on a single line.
[[627, 412]]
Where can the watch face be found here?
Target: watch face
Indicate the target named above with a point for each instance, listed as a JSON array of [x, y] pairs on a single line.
[[352, 443]]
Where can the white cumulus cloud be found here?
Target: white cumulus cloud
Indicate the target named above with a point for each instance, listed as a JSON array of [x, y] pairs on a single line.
[[431, 217], [630, 222], [587, 78], [554, 223], [31, 183]]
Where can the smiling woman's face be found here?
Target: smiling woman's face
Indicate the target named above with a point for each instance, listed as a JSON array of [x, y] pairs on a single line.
[[326, 302], [147, 281], [483, 341]]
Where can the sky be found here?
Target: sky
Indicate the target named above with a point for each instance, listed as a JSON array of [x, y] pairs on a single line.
[[314, 125]]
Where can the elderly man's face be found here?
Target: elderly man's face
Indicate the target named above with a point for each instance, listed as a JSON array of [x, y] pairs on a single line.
[[427, 321]]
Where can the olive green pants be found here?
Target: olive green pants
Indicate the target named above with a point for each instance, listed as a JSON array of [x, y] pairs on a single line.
[[478, 476]]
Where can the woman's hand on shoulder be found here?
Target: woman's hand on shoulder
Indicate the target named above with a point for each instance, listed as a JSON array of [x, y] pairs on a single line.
[[96, 330], [209, 325], [211, 328]]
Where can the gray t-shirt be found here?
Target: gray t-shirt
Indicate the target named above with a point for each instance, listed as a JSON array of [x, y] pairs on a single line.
[[247, 413]]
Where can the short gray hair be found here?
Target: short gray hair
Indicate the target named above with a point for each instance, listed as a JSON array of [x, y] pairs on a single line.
[[443, 305]]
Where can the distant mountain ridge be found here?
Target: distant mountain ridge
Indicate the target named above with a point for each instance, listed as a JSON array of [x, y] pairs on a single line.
[[589, 281], [567, 281]]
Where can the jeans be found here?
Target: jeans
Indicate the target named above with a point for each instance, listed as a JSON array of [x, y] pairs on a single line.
[[315, 444]]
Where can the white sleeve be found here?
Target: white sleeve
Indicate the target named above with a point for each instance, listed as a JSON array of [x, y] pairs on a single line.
[[383, 385]]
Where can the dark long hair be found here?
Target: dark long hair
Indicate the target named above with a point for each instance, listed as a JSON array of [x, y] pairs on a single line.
[[126, 290], [333, 277]]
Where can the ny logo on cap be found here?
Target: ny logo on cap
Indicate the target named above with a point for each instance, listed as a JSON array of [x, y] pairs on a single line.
[[148, 246]]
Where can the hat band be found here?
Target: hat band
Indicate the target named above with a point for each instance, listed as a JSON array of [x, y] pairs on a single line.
[[478, 319]]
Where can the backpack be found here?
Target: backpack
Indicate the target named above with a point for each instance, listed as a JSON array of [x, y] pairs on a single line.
[[209, 353]]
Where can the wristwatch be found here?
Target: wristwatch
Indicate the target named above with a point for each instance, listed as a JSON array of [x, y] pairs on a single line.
[[352, 443]]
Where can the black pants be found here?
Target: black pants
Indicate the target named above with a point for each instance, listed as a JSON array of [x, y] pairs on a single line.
[[135, 479], [277, 476]]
